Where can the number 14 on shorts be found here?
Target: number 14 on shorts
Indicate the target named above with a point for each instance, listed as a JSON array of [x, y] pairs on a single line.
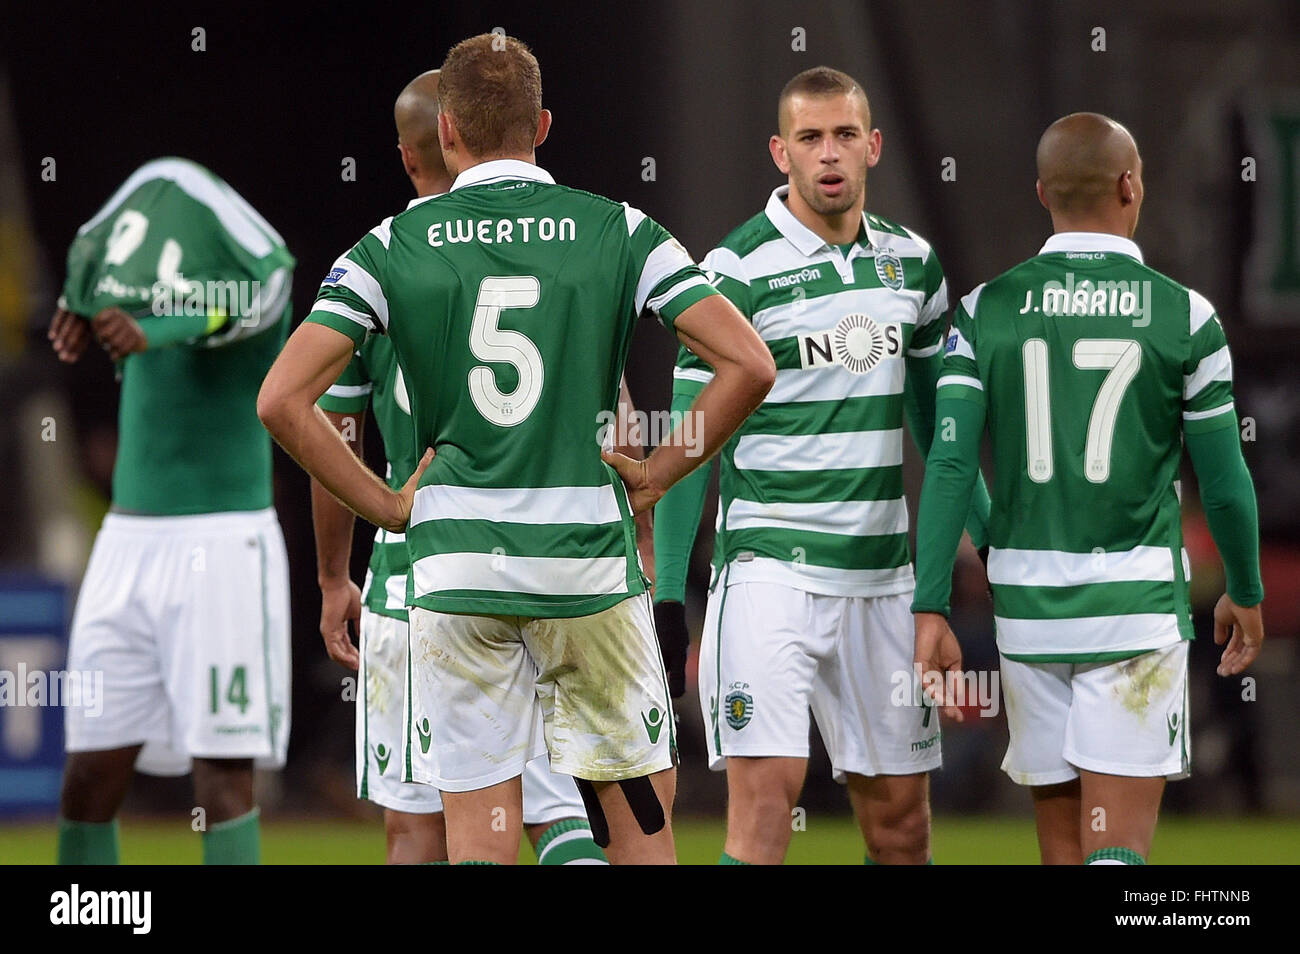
[[236, 691]]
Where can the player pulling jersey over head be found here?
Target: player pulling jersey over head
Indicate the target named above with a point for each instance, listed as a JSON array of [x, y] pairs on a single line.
[[1090, 370]]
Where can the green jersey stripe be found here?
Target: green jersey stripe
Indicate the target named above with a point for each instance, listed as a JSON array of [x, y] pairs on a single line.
[[1101, 599], [580, 540], [837, 550], [869, 413], [793, 486]]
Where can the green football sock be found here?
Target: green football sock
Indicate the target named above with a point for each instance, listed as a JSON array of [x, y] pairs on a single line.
[[237, 841], [569, 842], [1115, 856], [87, 843], [478, 862], [867, 861], [726, 859]]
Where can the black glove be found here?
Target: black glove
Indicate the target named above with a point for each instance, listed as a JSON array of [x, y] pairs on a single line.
[[674, 641]]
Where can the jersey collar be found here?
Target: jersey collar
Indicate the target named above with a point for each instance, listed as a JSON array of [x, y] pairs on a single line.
[[799, 235], [422, 198], [1091, 242], [495, 170]]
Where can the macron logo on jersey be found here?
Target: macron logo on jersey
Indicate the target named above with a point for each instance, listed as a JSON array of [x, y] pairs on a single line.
[[335, 275]]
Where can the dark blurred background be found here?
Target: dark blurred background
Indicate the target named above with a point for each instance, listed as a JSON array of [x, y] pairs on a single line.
[[961, 90]]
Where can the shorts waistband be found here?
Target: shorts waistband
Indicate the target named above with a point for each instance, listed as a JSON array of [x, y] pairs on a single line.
[[192, 522]]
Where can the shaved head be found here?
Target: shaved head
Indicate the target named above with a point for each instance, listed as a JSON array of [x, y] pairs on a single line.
[[416, 115], [1081, 160]]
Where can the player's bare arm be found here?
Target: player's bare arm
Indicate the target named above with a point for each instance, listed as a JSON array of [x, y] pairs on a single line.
[[69, 334], [632, 448], [340, 597], [715, 331], [311, 361]]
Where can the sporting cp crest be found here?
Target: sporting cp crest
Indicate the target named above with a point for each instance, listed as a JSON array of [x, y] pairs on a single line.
[[890, 270], [740, 709]]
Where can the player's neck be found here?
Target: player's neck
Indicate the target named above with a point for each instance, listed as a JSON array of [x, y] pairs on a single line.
[[1105, 224], [434, 185], [840, 229], [468, 162]]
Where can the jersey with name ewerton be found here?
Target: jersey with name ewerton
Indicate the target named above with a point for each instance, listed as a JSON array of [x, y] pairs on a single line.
[[811, 485], [511, 303], [1091, 366]]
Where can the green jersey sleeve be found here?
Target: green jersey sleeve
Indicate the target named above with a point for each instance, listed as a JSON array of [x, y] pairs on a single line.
[[667, 279], [927, 338], [1207, 372], [351, 299], [960, 377]]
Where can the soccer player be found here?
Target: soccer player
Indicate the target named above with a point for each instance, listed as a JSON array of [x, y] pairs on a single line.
[[812, 574], [554, 816], [1091, 371], [510, 303], [185, 603]]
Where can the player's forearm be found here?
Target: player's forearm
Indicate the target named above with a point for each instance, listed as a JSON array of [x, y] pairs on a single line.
[[677, 516], [1228, 499], [300, 427], [736, 390], [333, 522], [165, 330], [950, 475]]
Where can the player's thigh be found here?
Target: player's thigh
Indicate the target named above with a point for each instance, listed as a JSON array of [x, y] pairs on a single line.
[[383, 719], [756, 671], [604, 693], [224, 636], [474, 707], [549, 796], [1129, 718], [863, 698], [1037, 698], [113, 653]]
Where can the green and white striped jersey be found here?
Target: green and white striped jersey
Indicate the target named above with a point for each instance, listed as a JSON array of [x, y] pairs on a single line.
[[511, 302], [1091, 366], [208, 280], [812, 483], [373, 378]]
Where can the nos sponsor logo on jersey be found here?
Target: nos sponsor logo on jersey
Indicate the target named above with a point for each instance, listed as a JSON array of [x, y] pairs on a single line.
[[857, 342]]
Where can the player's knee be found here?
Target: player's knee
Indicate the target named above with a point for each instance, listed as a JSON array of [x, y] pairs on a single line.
[[901, 834], [223, 787]]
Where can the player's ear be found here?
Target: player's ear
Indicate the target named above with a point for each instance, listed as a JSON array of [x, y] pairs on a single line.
[[776, 146], [1042, 194], [875, 142], [408, 159], [446, 132], [543, 127], [1125, 188]]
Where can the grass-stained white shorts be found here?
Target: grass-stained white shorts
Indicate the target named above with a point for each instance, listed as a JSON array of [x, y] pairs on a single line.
[[1117, 718], [771, 653], [382, 740], [187, 618], [490, 693]]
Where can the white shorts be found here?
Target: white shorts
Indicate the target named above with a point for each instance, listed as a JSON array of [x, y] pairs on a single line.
[[770, 652], [188, 620], [490, 693], [382, 737], [1119, 718]]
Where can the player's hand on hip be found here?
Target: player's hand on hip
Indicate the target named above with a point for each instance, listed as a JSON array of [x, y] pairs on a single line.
[[1242, 628], [69, 334], [404, 499], [339, 604], [119, 333], [937, 654], [642, 494]]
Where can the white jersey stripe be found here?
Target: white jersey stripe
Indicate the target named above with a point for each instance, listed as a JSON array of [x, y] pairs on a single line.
[[1090, 634], [818, 452], [878, 516], [531, 505], [1213, 367], [503, 573], [1059, 568], [667, 258]]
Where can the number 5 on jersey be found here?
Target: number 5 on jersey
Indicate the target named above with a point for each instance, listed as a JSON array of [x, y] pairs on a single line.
[[488, 342]]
